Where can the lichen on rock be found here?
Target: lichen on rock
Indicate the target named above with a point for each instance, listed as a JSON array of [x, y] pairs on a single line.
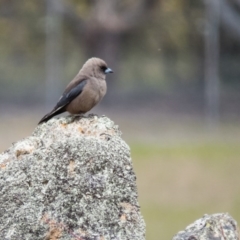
[[210, 227], [71, 179]]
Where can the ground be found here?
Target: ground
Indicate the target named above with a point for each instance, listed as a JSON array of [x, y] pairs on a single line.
[[184, 169]]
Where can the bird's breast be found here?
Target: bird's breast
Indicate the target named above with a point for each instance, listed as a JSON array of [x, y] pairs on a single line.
[[102, 88], [91, 95]]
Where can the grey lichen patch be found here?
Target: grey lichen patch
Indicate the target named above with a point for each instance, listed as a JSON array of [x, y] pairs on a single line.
[[80, 125], [211, 227], [72, 179]]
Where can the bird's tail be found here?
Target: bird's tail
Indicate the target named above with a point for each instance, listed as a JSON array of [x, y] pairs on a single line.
[[53, 113]]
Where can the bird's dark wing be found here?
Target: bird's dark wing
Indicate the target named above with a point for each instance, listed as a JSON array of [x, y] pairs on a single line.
[[65, 99]]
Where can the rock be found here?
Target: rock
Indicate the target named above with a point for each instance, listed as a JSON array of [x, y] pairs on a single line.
[[210, 227], [71, 179]]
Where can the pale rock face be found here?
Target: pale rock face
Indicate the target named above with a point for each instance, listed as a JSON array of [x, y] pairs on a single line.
[[72, 179], [210, 227]]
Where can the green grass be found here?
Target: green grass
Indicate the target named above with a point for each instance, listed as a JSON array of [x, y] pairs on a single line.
[[178, 184]]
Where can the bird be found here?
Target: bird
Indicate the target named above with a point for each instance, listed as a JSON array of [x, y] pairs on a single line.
[[86, 89]]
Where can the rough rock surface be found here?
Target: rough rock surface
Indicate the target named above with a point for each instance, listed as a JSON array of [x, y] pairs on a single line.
[[218, 226], [71, 179]]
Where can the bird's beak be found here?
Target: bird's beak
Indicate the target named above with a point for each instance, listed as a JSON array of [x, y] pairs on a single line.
[[108, 70]]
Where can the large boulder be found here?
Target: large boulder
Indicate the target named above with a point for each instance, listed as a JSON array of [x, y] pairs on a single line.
[[71, 179]]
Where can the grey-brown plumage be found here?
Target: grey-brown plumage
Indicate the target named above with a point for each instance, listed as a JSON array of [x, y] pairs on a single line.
[[84, 91]]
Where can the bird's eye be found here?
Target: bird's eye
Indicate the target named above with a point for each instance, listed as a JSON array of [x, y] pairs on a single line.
[[103, 68]]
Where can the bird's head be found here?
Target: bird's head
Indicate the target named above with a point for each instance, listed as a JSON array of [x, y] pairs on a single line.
[[96, 67]]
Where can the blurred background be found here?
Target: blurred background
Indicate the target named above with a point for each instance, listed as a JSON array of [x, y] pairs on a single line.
[[175, 91]]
